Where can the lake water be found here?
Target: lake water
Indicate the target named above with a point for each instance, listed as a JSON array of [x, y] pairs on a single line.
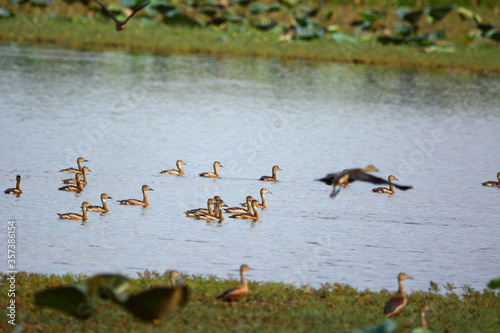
[[132, 116]]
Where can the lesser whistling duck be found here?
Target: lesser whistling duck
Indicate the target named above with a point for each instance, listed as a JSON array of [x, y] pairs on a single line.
[[238, 292], [137, 202], [178, 172], [273, 177], [241, 209], [173, 275], [15, 190], [263, 204], [79, 161], [199, 211], [493, 183], [74, 188], [369, 168], [348, 176], [396, 303], [74, 216], [119, 25], [248, 216], [389, 190], [99, 209], [423, 310], [218, 213], [84, 181], [214, 174]]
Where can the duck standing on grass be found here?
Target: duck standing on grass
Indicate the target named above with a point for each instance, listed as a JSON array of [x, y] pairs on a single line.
[[396, 303], [238, 292]]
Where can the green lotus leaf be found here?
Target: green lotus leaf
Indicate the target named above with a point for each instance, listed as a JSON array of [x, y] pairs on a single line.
[[494, 34], [494, 284], [372, 15], [403, 29], [275, 7], [341, 37], [4, 13], [257, 8]]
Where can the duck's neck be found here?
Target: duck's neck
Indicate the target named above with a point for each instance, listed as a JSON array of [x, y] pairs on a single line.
[[249, 206], [145, 197], [84, 213], [181, 172], [78, 183], [221, 214], [264, 203], [274, 174], [423, 323], [243, 281], [79, 165], [391, 186], [18, 184], [400, 289], [84, 176], [104, 204], [172, 281], [255, 211], [216, 170]]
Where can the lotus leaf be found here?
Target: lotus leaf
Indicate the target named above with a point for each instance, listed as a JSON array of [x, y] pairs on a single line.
[[409, 15]]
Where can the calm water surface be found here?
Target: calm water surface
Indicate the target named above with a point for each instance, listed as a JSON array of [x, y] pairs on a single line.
[[133, 116]]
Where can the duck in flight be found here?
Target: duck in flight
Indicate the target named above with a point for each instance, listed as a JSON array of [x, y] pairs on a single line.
[[119, 24], [351, 175]]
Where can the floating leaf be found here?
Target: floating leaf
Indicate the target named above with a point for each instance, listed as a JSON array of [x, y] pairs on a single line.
[[494, 284], [403, 29], [72, 300], [275, 7], [4, 13]]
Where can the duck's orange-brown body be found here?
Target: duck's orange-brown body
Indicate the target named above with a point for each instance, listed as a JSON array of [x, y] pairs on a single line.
[[273, 177], [214, 174], [74, 188], [236, 293], [74, 216]]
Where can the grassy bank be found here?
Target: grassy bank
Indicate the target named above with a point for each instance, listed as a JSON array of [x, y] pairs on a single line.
[[161, 39], [78, 27], [269, 307]]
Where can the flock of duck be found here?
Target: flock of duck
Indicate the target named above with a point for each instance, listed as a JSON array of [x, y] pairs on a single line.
[[248, 210]]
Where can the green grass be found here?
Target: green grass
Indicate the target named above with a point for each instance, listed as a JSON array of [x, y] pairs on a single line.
[[270, 307]]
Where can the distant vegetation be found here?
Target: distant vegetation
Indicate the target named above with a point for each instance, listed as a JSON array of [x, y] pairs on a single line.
[[268, 307], [426, 26]]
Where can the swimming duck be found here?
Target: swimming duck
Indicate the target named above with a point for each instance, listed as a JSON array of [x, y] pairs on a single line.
[[137, 202], [73, 188], [263, 204], [489, 183], [15, 190], [217, 216], [248, 216], [240, 209], [238, 292], [273, 177], [199, 211], [179, 172], [396, 303], [389, 190], [79, 161], [74, 216], [348, 176], [119, 25], [84, 181], [214, 174], [99, 209]]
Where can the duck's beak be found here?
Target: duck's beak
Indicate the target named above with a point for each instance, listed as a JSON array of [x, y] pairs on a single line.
[[150, 189]]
